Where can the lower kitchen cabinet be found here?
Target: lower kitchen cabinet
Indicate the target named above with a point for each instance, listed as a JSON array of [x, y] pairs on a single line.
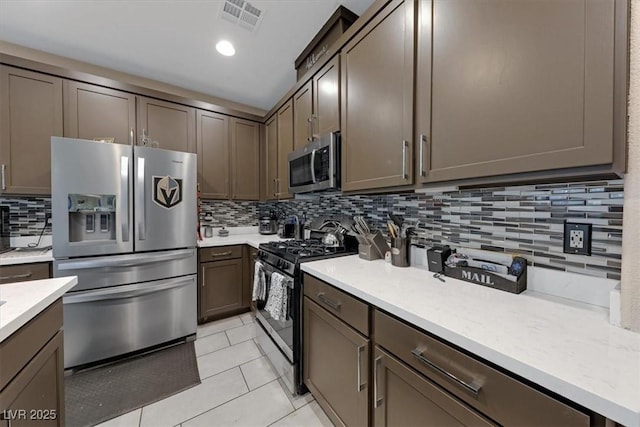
[[336, 366], [402, 397], [24, 272], [454, 388], [223, 288], [32, 376]]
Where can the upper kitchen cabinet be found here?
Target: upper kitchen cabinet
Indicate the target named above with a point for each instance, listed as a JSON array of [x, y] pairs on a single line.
[[170, 125], [515, 86], [316, 106], [95, 112], [213, 154], [245, 160], [30, 114], [285, 146], [377, 101], [303, 116], [326, 98], [270, 171]]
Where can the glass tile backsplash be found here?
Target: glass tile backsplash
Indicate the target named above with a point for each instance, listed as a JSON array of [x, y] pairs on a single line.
[[527, 220]]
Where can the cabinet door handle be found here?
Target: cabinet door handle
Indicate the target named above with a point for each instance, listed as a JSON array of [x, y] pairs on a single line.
[[331, 303], [131, 137], [21, 276], [423, 141], [473, 388], [377, 399], [360, 352], [4, 176], [274, 187], [310, 129], [222, 254], [405, 145]]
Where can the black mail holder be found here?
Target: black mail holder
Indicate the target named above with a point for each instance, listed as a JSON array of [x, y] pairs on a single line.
[[488, 278]]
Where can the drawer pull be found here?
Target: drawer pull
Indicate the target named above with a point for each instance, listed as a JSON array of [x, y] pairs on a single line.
[[222, 253], [331, 303], [377, 400], [360, 386], [473, 388], [17, 276]]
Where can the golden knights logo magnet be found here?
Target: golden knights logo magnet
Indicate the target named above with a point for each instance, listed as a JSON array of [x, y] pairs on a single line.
[[167, 191]]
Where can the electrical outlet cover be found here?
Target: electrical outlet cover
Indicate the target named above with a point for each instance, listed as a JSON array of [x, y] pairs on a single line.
[[577, 238]]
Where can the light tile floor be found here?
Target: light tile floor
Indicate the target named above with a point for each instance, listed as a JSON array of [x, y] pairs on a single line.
[[238, 387]]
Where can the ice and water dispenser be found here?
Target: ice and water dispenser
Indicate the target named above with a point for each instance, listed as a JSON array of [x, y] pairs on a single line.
[[92, 217]]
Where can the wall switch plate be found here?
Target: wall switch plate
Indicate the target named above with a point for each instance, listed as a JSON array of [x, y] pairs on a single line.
[[577, 238]]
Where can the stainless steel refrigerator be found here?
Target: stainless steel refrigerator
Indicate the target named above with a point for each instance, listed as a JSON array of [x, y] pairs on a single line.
[[124, 222]]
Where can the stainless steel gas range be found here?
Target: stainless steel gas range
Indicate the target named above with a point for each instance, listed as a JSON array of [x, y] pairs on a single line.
[[281, 340]]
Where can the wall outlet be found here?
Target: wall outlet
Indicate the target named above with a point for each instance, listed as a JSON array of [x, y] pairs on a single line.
[[577, 238]]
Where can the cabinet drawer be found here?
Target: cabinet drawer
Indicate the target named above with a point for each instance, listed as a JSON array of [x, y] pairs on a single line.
[[220, 252], [24, 272], [344, 306], [497, 395]]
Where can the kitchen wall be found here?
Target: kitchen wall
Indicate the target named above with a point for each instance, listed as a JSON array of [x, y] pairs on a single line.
[[527, 220]]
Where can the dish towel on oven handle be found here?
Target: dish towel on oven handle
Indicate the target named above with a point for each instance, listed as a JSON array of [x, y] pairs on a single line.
[[277, 300], [259, 283]]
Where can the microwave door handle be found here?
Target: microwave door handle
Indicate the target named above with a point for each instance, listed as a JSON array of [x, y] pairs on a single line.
[[313, 165]]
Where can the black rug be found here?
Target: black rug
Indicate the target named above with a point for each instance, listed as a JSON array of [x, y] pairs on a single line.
[[97, 395]]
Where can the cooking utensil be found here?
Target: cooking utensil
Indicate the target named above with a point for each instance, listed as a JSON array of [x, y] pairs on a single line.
[[397, 220]]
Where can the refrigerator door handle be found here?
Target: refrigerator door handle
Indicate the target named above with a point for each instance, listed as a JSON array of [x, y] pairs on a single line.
[[124, 195], [128, 291], [125, 261], [141, 200]]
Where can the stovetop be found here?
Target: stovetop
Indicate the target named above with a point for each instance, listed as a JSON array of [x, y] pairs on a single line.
[[303, 250], [287, 255]]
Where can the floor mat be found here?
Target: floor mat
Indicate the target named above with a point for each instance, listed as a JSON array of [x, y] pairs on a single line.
[[100, 394]]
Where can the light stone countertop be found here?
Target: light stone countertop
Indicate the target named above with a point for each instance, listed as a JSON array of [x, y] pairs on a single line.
[[25, 300], [238, 236], [16, 257], [564, 346]]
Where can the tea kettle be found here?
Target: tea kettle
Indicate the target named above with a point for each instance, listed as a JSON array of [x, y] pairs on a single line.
[[333, 239]]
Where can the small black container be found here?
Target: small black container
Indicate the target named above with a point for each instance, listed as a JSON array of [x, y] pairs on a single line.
[[437, 257]]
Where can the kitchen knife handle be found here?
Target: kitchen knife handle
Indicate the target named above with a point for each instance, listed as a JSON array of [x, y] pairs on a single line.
[[360, 385], [141, 200], [124, 197], [405, 145], [423, 141], [473, 388], [377, 400], [4, 176]]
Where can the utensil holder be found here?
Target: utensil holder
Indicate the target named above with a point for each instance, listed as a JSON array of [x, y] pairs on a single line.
[[399, 250]]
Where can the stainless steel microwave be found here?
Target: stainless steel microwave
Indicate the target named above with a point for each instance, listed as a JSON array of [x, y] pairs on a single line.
[[316, 167]]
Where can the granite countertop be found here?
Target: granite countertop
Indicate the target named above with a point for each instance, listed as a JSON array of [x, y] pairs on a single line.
[[24, 300], [565, 346], [26, 257]]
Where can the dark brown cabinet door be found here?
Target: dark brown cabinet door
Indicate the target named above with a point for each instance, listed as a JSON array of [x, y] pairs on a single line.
[[403, 397], [245, 160], [377, 101], [302, 116], [221, 284], [213, 154], [38, 389], [92, 112], [271, 158], [30, 114], [514, 86], [171, 125], [326, 98], [285, 146], [336, 366]]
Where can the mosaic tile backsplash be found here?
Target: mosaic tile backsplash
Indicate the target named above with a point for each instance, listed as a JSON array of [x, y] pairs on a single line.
[[527, 220]]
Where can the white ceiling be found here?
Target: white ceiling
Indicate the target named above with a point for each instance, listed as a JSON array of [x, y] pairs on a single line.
[[173, 41]]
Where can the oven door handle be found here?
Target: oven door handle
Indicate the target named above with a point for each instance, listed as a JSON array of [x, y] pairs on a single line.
[[313, 165]]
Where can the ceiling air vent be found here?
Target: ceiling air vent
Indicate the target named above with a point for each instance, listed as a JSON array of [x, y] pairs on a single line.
[[241, 13]]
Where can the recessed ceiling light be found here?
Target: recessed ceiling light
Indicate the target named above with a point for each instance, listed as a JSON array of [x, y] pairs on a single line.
[[224, 47]]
